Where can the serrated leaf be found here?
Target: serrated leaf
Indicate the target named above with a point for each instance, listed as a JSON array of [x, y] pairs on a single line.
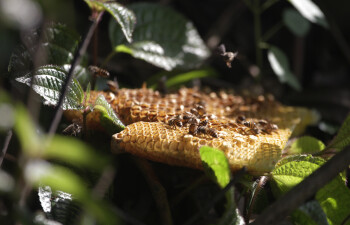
[[48, 81], [109, 119], [306, 145], [161, 37], [310, 11], [310, 213], [290, 171], [125, 17], [80, 73], [295, 22], [216, 165], [343, 137], [280, 65], [334, 199]]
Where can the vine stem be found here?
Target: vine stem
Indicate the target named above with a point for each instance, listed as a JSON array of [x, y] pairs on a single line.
[[305, 189], [76, 60]]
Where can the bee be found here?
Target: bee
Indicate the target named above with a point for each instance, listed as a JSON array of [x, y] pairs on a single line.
[[193, 129], [269, 127], [73, 129], [240, 119], [175, 121], [113, 86], [210, 131], [97, 71], [228, 57], [194, 112], [200, 110], [203, 123], [189, 118], [253, 128]]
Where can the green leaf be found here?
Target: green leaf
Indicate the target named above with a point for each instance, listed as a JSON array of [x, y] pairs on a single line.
[[280, 65], [80, 73], [123, 16], [87, 93], [161, 37], [334, 199], [295, 22], [216, 165], [290, 171], [26, 131], [109, 119], [231, 215], [186, 77], [343, 137], [310, 11], [58, 44], [73, 151], [310, 213], [48, 81], [306, 145]]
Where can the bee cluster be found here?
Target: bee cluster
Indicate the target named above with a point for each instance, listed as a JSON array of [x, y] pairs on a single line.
[[262, 126], [196, 120]]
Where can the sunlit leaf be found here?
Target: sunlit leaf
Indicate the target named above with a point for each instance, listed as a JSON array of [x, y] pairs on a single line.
[[306, 145], [216, 165], [280, 65], [343, 137], [310, 11], [310, 213], [292, 170], [295, 22], [73, 151], [122, 15], [161, 37], [109, 119], [186, 77], [334, 198], [48, 81]]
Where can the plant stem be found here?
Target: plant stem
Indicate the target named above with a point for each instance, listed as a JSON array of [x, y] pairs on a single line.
[[268, 4], [76, 60], [305, 189], [109, 57], [6, 145], [95, 54], [272, 31], [257, 31]]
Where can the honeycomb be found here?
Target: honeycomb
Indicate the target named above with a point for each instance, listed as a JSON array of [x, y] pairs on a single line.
[[151, 135]]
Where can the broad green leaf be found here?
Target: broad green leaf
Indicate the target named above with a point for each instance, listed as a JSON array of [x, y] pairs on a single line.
[[73, 151], [123, 16], [290, 171], [186, 77], [42, 173], [48, 81], [295, 22], [109, 119], [216, 165], [306, 145], [343, 137], [310, 11], [161, 37], [280, 65], [58, 44], [26, 131], [334, 199], [310, 213]]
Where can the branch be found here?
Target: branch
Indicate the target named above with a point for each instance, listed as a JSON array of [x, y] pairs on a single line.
[[76, 60], [305, 189], [6, 145]]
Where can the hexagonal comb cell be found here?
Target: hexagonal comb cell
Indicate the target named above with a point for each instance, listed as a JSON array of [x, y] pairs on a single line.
[[170, 129]]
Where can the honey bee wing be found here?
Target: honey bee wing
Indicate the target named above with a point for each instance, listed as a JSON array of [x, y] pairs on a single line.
[[221, 49]]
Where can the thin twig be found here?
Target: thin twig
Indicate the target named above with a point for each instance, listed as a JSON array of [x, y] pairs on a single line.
[[76, 60], [6, 145], [305, 189], [104, 182], [217, 197]]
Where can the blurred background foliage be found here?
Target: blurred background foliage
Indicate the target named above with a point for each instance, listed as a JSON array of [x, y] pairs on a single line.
[[318, 57]]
